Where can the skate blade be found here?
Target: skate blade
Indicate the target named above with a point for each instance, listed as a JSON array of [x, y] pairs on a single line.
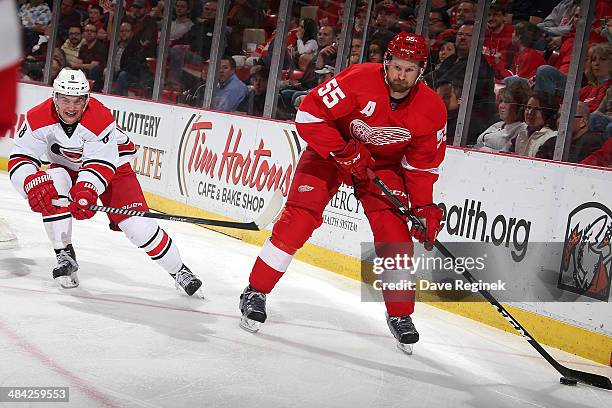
[[406, 348], [249, 325], [67, 282], [197, 294]]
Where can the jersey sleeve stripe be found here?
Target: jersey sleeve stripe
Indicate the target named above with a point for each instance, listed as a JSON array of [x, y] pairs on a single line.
[[305, 117], [14, 166], [127, 148], [433, 170], [98, 162], [97, 175], [15, 156]]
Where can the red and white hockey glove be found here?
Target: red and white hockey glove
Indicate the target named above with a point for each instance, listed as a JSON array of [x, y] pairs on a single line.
[[430, 216], [355, 159], [40, 190], [82, 195]]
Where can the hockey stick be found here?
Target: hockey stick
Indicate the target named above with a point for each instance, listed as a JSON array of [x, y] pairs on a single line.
[[265, 218], [582, 376]]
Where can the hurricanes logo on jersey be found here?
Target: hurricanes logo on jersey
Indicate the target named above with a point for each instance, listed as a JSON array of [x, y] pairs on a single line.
[[378, 135], [73, 154]]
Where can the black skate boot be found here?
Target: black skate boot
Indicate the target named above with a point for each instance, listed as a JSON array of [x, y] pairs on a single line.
[[253, 309], [404, 331], [185, 279], [65, 271]]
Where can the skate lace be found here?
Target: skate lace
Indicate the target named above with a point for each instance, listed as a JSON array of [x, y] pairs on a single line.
[[65, 259], [184, 277], [254, 297], [402, 323]]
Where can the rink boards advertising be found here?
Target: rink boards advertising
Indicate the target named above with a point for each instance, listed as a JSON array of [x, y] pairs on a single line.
[[229, 165]]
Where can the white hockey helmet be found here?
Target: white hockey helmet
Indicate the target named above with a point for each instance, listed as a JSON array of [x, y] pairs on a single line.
[[71, 82]]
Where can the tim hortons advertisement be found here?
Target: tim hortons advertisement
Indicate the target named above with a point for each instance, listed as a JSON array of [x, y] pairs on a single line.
[[232, 164]]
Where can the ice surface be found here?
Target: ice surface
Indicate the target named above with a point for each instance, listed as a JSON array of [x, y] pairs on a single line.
[[127, 338]]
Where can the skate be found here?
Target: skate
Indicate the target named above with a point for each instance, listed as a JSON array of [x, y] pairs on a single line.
[[65, 271], [404, 331], [253, 309], [186, 280]]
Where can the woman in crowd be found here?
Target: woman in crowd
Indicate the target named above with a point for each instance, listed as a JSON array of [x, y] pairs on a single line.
[[498, 137]]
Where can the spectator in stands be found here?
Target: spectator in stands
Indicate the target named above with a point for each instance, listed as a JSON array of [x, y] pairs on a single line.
[[35, 15], [532, 11], [599, 71], [498, 137], [73, 44], [292, 88], [387, 17], [439, 25], [102, 36], [95, 17], [376, 51], [307, 37], [541, 119], [601, 157], [92, 57], [130, 65], [526, 61], [199, 41], [599, 75], [182, 22], [322, 75], [583, 141], [144, 27], [498, 36], [355, 51], [230, 90], [559, 21], [242, 14], [453, 70], [328, 46], [69, 17], [328, 12], [255, 100], [465, 11], [451, 96]]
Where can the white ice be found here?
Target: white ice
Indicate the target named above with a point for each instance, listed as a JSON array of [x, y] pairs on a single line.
[[127, 338]]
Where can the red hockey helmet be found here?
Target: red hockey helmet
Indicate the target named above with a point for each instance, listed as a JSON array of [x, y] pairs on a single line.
[[407, 46]]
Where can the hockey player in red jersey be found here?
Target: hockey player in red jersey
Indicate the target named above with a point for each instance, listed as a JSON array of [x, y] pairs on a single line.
[[88, 158], [9, 68], [371, 116]]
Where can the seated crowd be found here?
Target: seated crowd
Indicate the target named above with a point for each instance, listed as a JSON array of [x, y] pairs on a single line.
[[521, 78]]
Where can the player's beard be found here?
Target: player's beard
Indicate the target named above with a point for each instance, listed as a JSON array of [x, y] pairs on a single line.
[[400, 86]]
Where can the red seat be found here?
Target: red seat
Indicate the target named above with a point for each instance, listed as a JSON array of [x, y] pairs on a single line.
[[169, 96]]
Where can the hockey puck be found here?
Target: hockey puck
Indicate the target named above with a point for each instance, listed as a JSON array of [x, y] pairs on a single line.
[[568, 381]]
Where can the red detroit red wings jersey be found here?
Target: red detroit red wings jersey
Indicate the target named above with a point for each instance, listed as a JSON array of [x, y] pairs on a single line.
[[356, 104], [95, 149]]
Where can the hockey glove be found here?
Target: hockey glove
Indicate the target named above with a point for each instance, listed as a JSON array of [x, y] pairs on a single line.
[[40, 190], [355, 159], [430, 216], [82, 195]]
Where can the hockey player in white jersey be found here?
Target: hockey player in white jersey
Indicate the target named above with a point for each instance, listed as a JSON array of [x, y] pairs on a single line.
[[89, 158]]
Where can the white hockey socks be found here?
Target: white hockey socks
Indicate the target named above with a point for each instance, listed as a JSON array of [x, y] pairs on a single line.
[[148, 235]]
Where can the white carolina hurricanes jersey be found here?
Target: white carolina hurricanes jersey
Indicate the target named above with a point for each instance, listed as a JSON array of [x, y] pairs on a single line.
[[94, 149]]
